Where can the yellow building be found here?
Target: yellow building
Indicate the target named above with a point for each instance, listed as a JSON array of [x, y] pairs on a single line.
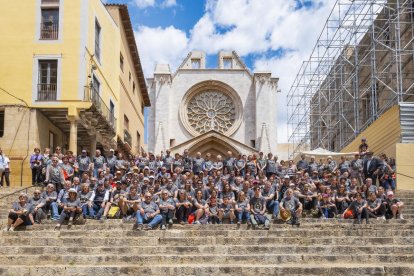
[[70, 76]]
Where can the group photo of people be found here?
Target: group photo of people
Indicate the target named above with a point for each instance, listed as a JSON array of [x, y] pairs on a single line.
[[159, 190]]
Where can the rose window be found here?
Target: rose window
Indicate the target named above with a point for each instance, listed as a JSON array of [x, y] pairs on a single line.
[[211, 110]]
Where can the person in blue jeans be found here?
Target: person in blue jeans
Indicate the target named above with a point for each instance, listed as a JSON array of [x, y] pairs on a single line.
[[148, 212], [242, 208], [271, 197]]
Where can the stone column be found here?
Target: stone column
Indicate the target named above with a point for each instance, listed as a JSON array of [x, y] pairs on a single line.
[[92, 140], [73, 136]]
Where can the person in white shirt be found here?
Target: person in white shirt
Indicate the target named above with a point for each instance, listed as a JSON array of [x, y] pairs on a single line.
[[4, 169]]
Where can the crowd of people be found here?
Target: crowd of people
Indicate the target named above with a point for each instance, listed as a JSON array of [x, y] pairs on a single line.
[[164, 189]]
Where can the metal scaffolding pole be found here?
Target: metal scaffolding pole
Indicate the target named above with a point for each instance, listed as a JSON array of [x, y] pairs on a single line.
[[361, 65]]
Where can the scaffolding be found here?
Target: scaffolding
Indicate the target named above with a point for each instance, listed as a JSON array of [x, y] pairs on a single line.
[[361, 65]]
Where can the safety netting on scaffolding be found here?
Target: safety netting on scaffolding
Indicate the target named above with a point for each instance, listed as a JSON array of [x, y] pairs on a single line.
[[361, 65]]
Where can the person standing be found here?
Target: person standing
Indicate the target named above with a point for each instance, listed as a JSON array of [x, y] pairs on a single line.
[[36, 166], [4, 169]]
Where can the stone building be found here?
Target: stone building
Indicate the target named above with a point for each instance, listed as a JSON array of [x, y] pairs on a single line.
[[212, 109]]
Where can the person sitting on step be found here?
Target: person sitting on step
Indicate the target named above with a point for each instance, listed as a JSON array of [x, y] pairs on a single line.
[[98, 200], [357, 209], [183, 207], [292, 204], [258, 209], [394, 206], [148, 212], [167, 208], [226, 210], [37, 202], [20, 213], [71, 208]]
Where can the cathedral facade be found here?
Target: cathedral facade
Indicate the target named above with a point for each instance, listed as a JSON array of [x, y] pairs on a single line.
[[212, 110]]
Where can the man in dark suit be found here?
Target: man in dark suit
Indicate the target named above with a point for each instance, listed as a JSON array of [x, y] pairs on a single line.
[[371, 167]]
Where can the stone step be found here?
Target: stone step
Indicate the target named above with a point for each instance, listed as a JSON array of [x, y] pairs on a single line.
[[196, 241], [274, 232], [144, 259], [206, 249], [208, 270]]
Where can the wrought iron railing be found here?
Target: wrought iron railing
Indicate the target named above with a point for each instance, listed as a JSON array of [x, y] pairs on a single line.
[[127, 137], [46, 91], [100, 105], [49, 30]]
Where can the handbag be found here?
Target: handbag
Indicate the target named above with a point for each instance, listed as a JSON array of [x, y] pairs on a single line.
[[114, 212]]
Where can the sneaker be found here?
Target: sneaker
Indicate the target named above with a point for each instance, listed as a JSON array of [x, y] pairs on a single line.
[[11, 229], [145, 227], [140, 227], [400, 216], [163, 227], [57, 227], [249, 222], [231, 222], [6, 229], [238, 222], [148, 227], [267, 227], [170, 222], [367, 222], [54, 218], [220, 222], [196, 222], [383, 218]]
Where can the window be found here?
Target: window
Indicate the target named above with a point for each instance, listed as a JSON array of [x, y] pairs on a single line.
[[138, 141], [133, 88], [97, 40], [195, 63], [112, 112], [126, 122], [142, 108], [1, 123], [227, 63], [49, 26], [121, 62], [172, 143], [253, 143], [129, 76], [51, 140], [47, 83]]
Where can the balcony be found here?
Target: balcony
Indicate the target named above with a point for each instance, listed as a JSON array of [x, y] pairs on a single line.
[[99, 107], [46, 91], [127, 137], [49, 31]]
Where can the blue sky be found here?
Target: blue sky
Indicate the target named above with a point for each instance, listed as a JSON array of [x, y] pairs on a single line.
[[273, 35]]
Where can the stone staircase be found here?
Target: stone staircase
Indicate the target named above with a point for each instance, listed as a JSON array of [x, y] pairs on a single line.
[[317, 247]]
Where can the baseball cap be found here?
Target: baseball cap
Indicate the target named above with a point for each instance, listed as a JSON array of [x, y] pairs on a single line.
[[286, 177], [83, 151], [71, 190], [111, 150], [390, 193]]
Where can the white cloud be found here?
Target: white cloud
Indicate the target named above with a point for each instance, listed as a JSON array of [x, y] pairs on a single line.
[[160, 45], [142, 4], [169, 3]]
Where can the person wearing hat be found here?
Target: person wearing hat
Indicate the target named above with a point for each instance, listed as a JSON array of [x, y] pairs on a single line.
[[371, 167], [20, 213], [84, 163], [36, 202], [98, 200], [394, 206], [71, 208], [148, 212]]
